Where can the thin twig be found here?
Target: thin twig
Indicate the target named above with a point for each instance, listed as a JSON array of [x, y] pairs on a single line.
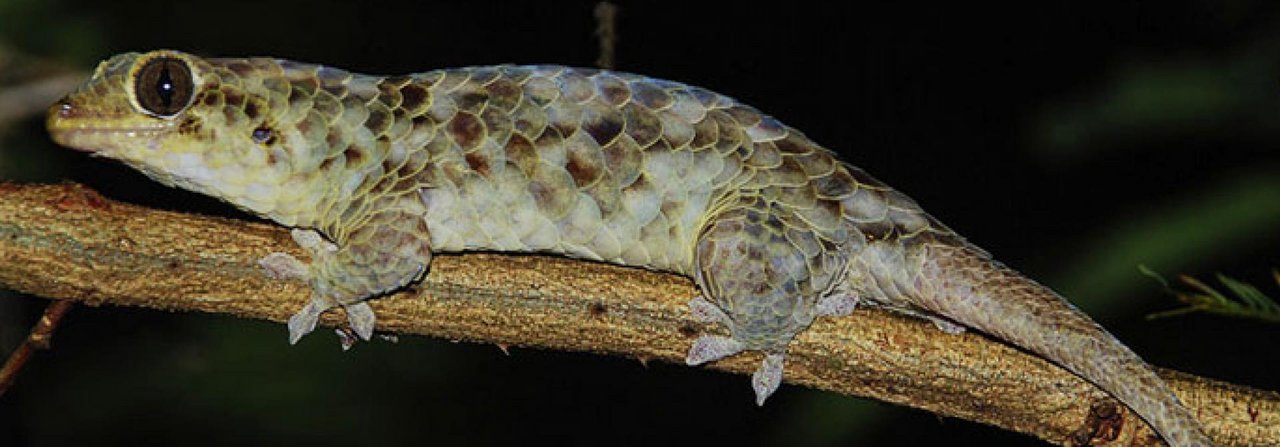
[[41, 333], [606, 14]]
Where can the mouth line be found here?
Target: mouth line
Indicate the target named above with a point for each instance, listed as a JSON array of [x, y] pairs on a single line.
[[81, 138], [108, 130]]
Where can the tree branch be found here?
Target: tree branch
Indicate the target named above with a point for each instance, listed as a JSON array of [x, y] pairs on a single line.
[[67, 242]]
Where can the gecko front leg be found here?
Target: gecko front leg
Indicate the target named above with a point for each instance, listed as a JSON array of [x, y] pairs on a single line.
[[281, 265], [386, 252]]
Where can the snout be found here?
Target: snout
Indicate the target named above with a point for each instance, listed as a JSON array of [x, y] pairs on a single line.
[[58, 121]]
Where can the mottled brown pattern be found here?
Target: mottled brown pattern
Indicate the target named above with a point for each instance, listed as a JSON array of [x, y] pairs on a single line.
[[593, 164], [466, 130]]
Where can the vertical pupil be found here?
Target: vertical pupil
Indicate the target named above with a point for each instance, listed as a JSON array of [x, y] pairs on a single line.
[[164, 87]]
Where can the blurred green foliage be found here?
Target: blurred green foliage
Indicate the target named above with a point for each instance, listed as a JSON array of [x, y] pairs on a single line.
[[1219, 220], [51, 29]]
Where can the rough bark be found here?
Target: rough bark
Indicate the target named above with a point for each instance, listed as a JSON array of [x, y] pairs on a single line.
[[66, 242]]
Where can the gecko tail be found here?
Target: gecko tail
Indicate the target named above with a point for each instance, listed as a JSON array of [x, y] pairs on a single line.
[[966, 285]]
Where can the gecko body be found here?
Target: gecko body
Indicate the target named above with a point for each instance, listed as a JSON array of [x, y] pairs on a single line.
[[376, 173]]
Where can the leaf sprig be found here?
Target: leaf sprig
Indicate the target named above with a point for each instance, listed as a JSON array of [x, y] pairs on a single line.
[[1246, 301]]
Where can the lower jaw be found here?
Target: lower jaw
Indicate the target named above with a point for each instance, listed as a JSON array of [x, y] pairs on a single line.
[[98, 140]]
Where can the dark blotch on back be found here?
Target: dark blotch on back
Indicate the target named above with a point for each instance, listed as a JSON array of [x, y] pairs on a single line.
[[612, 90], [836, 185], [521, 153], [353, 155], [251, 110], [472, 102], [415, 96], [649, 95], [305, 87], [603, 127], [466, 130], [378, 120], [504, 94], [641, 124], [478, 162], [583, 171], [878, 230], [792, 145]]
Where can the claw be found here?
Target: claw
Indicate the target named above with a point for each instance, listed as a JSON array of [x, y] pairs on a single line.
[[712, 347], [345, 338], [767, 379], [303, 322], [361, 317]]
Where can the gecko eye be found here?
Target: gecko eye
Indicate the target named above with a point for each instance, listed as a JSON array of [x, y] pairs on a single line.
[[163, 86]]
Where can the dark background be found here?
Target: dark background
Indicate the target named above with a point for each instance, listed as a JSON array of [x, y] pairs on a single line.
[[1075, 141]]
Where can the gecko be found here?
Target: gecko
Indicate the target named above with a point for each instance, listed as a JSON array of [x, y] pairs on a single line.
[[375, 174]]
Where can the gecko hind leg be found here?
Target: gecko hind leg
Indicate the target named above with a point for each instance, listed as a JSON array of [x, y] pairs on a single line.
[[766, 281]]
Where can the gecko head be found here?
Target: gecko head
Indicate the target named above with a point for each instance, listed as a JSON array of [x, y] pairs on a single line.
[[201, 125]]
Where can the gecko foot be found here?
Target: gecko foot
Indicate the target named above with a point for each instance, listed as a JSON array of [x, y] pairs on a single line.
[[706, 312], [767, 379], [303, 322], [360, 315], [836, 305], [712, 347]]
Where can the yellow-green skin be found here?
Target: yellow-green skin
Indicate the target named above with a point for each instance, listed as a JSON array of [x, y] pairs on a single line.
[[378, 172]]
